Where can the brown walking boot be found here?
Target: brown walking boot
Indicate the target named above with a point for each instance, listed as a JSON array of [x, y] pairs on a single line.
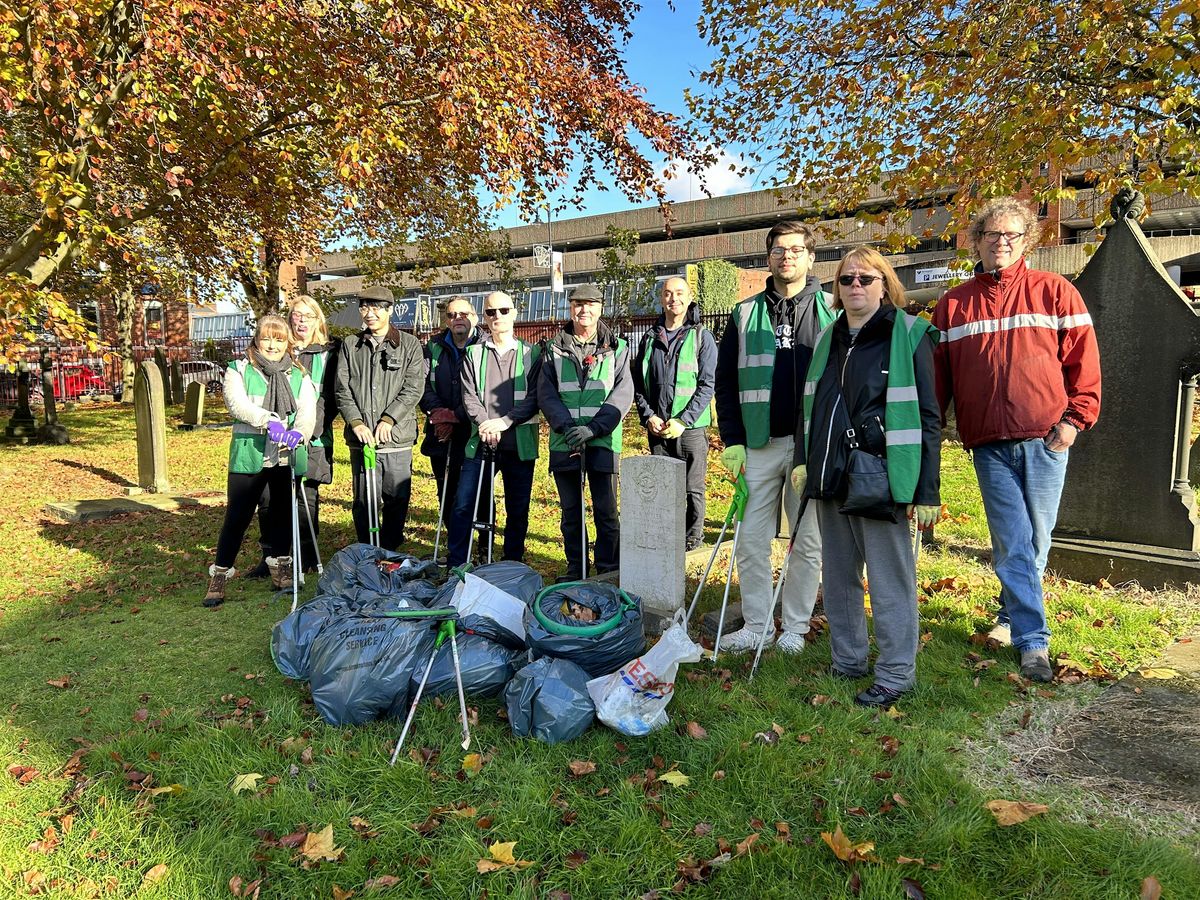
[[217, 576], [281, 572]]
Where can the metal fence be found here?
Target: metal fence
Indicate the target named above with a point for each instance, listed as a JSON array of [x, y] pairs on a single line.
[[78, 372]]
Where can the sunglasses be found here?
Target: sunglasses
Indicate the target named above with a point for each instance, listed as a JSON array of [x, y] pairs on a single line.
[[498, 311], [458, 315], [864, 280]]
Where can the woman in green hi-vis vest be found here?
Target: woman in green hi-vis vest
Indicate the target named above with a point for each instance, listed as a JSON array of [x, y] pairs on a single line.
[[265, 385]]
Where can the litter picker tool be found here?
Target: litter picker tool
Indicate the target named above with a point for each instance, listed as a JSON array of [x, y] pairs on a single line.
[[288, 440], [477, 525], [462, 700], [741, 494], [492, 506], [445, 629], [437, 538], [783, 569], [583, 541], [711, 559], [312, 529], [370, 472]]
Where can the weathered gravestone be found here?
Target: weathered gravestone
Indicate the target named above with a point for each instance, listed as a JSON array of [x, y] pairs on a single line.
[[164, 371], [193, 406], [22, 427], [150, 415], [176, 382], [653, 507], [1127, 511], [51, 432]]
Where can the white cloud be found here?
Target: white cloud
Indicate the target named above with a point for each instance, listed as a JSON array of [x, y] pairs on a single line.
[[718, 180]]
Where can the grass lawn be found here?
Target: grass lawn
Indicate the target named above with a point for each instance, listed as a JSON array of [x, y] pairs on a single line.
[[131, 711]]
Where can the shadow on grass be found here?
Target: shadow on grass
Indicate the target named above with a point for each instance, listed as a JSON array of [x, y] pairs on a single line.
[[106, 474]]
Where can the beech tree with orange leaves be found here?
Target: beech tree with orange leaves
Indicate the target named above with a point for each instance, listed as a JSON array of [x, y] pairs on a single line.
[[289, 117], [904, 100]]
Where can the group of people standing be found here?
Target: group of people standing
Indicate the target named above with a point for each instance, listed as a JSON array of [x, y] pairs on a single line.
[[832, 404]]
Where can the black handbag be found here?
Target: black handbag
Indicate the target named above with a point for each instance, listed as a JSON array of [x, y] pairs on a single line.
[[868, 492]]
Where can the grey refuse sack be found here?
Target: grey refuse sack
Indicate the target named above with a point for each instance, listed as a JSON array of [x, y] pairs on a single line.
[[358, 566], [360, 667], [601, 646], [549, 700], [486, 667], [513, 578]]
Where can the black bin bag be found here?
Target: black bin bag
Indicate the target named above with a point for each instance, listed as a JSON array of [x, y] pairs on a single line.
[[358, 566], [486, 667], [548, 699], [599, 647], [361, 667]]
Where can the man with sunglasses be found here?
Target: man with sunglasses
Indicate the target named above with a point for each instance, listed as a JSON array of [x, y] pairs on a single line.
[[673, 376], [447, 426], [499, 377], [761, 363], [1019, 359], [584, 392], [380, 376]]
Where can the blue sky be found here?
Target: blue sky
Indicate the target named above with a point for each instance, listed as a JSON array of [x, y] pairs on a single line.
[[662, 56]]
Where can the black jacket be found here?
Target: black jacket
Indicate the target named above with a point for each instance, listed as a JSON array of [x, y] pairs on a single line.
[[655, 395], [320, 459], [612, 411], [374, 384], [788, 378], [443, 389], [861, 367]]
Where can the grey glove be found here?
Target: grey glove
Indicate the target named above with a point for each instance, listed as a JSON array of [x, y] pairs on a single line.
[[578, 436]]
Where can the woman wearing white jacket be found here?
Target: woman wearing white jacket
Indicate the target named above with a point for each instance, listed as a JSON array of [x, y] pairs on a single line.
[[264, 386]]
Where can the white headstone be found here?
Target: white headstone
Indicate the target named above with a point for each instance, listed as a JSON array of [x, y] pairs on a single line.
[[653, 526]]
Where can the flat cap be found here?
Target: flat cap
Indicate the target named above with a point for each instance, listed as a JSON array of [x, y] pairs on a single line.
[[376, 296], [586, 292]]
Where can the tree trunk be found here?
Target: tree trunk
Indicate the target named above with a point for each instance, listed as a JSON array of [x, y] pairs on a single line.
[[124, 303]]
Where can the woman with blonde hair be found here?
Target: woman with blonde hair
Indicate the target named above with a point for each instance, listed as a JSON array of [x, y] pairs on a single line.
[[868, 456], [264, 386]]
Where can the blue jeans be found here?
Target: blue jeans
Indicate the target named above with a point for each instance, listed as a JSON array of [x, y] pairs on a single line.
[[518, 486], [1021, 483]]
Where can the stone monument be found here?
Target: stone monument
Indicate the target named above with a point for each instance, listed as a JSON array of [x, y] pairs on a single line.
[[22, 427], [653, 512], [1127, 510], [150, 416], [164, 371], [193, 406], [50, 432]]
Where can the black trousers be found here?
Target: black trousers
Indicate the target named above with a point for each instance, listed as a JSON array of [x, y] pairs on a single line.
[[518, 486], [244, 492], [448, 466], [692, 448], [604, 510], [393, 476], [308, 550]]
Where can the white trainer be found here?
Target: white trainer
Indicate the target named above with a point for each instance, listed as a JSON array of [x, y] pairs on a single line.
[[745, 639], [790, 642]]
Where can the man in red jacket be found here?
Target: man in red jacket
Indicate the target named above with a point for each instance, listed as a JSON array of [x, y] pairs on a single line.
[[1018, 358]]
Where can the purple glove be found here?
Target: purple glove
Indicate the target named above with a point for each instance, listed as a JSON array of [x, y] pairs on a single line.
[[291, 439], [276, 431]]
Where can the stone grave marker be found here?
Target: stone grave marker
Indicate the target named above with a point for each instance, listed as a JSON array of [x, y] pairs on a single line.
[[150, 415], [193, 406], [22, 427], [164, 371], [653, 512], [176, 382]]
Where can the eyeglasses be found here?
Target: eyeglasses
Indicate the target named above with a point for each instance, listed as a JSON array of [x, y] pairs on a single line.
[[303, 317], [458, 315], [1010, 237], [864, 280], [781, 252], [497, 311]]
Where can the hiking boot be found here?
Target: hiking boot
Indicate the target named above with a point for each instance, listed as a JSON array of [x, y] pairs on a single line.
[[259, 571], [1035, 665], [1001, 633], [747, 639], [217, 576], [878, 696], [790, 642], [281, 572]]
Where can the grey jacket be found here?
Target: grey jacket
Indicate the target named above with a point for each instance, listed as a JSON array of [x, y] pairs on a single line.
[[373, 385]]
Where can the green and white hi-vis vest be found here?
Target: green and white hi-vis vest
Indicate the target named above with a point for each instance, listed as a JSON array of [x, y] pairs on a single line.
[[902, 409], [687, 371], [248, 445], [527, 433], [317, 375], [756, 361], [584, 402]]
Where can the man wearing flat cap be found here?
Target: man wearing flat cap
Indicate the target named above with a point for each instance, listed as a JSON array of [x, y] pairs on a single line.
[[584, 392], [380, 379]]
